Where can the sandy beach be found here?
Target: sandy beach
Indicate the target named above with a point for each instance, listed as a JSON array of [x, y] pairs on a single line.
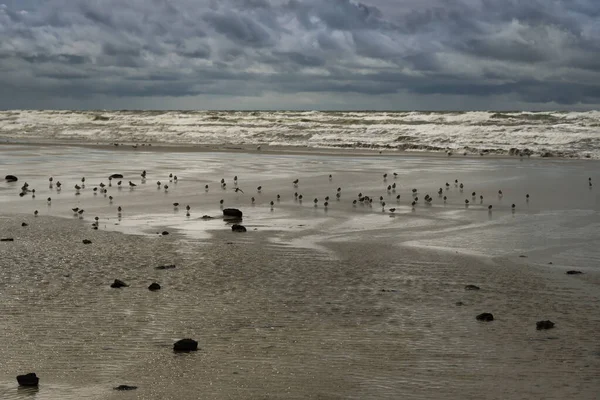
[[344, 302]]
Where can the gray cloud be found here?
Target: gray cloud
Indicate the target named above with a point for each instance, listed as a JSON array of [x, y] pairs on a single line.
[[536, 52]]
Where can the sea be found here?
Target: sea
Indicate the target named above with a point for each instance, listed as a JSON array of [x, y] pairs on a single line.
[[537, 134]]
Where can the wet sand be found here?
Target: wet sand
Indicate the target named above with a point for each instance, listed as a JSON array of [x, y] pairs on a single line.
[[348, 302]]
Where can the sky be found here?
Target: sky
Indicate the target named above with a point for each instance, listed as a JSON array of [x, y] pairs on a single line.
[[300, 54]]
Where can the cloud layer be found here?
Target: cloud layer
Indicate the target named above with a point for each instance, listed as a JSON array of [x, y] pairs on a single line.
[[312, 53]]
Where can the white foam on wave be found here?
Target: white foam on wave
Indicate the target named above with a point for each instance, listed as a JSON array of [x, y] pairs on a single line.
[[567, 134]]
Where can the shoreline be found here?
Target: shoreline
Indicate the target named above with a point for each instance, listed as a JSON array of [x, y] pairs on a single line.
[[281, 150]]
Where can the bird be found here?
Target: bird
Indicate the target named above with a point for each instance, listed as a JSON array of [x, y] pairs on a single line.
[[77, 187], [326, 204], [300, 197], [119, 183], [527, 196], [338, 195], [384, 177], [252, 200], [238, 190], [158, 184], [466, 201], [272, 204], [206, 188], [278, 197], [132, 185], [354, 202], [500, 193], [395, 175], [187, 208], [473, 194], [295, 182], [330, 177], [259, 188], [175, 205], [36, 212], [512, 206], [58, 185], [110, 199], [490, 207], [445, 198], [119, 209], [175, 178], [316, 201], [49, 200], [143, 174], [80, 212], [170, 177], [221, 201], [75, 210], [166, 188]]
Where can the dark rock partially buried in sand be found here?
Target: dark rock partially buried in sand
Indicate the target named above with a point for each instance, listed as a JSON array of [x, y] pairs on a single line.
[[168, 266], [232, 213], [24, 224], [540, 325], [185, 345], [117, 284], [125, 387], [238, 228], [29, 379], [11, 178], [574, 272], [116, 176], [485, 317], [164, 233], [7, 240], [154, 287], [87, 241], [471, 287]]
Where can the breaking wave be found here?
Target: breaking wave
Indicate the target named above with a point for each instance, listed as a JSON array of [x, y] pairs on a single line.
[[546, 134]]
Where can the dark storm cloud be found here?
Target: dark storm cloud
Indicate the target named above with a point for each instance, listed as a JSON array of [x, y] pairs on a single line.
[[536, 51]]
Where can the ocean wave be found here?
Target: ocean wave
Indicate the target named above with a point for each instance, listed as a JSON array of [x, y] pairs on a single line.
[[557, 134]]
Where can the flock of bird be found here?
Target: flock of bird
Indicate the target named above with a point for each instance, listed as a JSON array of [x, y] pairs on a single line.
[[360, 200]]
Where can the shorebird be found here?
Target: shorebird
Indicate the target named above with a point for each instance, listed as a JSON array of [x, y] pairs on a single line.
[[221, 202], [132, 185], [83, 182], [473, 194], [143, 174], [392, 210], [187, 208], [466, 202], [36, 212], [102, 185], [395, 175], [398, 198], [490, 207], [206, 188], [170, 177], [354, 202], [49, 200], [527, 196], [258, 189], [330, 177], [384, 177], [513, 206], [440, 191], [110, 181], [500, 193], [445, 198], [300, 198], [119, 183], [119, 209], [175, 178], [461, 186], [252, 200], [238, 190], [295, 183], [326, 204], [235, 179], [166, 188], [75, 210], [58, 185], [272, 204], [80, 212], [77, 187], [338, 195], [316, 201], [278, 197], [110, 199], [175, 205]]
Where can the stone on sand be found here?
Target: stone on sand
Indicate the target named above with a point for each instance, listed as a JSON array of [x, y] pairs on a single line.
[[485, 317], [238, 228], [29, 379], [540, 325], [7, 240], [232, 212], [185, 345], [168, 266], [574, 272], [11, 178], [87, 241], [154, 287], [118, 284], [471, 287], [125, 387], [116, 176]]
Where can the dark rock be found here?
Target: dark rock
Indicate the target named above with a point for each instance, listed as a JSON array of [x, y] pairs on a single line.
[[459, 303], [125, 387], [118, 284], [87, 241], [169, 266], [238, 228], [471, 287], [100, 118], [29, 379], [24, 224], [544, 325], [11, 178], [232, 212], [7, 240], [206, 217], [164, 233], [485, 317], [523, 256], [154, 287], [185, 345], [116, 176], [574, 272]]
